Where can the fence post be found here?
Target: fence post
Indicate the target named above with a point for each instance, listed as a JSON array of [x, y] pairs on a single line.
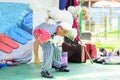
[[104, 24], [118, 27]]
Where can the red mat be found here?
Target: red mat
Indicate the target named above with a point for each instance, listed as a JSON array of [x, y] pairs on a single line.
[[5, 48], [8, 41], [7, 44]]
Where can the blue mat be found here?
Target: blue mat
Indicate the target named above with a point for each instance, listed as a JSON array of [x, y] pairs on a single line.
[[9, 14], [23, 33], [26, 20], [15, 36]]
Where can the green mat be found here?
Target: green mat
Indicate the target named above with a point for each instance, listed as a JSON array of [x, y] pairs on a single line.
[[84, 71]]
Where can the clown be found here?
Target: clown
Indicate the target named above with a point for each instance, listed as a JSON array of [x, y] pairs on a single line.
[[56, 25]]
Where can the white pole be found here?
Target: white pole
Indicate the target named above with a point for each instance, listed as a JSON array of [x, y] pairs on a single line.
[[89, 14]]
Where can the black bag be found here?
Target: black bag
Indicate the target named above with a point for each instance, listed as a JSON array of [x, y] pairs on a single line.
[[76, 52]]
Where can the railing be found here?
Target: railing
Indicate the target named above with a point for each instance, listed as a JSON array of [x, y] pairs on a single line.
[[104, 25]]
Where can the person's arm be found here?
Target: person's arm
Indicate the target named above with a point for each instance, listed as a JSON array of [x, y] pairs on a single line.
[[36, 47]]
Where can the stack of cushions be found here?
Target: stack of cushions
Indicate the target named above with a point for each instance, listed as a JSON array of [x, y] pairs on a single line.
[[15, 31], [16, 21]]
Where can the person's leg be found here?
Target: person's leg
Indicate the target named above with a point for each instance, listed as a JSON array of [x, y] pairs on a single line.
[[47, 59], [57, 57], [57, 60]]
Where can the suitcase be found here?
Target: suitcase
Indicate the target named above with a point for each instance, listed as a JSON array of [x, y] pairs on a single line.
[[76, 53], [91, 49]]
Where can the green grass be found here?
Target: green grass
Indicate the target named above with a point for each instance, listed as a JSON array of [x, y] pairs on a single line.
[[110, 34], [109, 44]]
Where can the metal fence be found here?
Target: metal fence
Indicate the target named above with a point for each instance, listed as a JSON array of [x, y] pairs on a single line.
[[104, 24]]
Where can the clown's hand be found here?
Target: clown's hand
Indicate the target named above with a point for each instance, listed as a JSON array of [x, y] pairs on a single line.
[[56, 39], [72, 34]]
